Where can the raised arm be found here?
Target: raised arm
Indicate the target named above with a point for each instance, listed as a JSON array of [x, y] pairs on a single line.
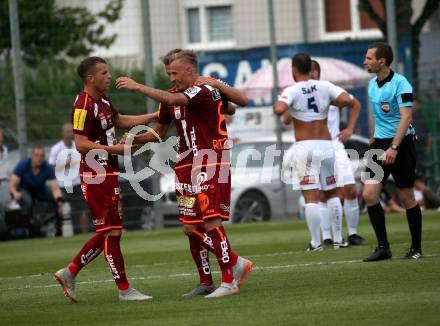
[[231, 93], [150, 137], [153, 93], [129, 121]]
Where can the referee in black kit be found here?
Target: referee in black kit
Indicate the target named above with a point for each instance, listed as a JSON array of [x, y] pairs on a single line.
[[391, 98]]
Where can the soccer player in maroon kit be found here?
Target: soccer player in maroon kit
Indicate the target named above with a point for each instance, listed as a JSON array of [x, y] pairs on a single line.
[[202, 169], [94, 120]]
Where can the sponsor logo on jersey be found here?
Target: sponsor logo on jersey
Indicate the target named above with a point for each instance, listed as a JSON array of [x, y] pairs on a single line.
[[192, 91], [307, 180], [385, 106], [225, 207], [202, 177], [95, 110], [177, 113], [215, 94], [193, 142], [222, 143], [103, 121], [186, 201], [98, 221], [190, 188]]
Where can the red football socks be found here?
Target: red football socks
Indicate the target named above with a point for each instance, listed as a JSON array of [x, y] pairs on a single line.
[[90, 251], [113, 255], [200, 255], [226, 258]]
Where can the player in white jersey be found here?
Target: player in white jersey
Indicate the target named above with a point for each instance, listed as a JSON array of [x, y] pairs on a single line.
[[344, 178], [308, 102]]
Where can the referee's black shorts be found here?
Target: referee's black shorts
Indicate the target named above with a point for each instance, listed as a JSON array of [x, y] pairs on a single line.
[[403, 169]]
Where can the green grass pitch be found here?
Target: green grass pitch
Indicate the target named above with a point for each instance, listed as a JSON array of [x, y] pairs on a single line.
[[288, 286]]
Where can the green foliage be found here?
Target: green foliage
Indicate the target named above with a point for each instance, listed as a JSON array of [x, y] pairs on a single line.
[[50, 32], [51, 88]]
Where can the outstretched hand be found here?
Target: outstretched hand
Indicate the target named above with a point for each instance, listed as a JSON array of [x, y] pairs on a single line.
[[127, 83]]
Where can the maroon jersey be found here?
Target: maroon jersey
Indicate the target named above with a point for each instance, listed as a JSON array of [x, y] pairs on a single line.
[[95, 119], [200, 125]]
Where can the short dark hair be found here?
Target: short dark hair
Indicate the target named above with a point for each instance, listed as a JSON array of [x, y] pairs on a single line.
[[316, 66], [302, 62], [38, 146], [88, 65], [383, 50], [166, 59]]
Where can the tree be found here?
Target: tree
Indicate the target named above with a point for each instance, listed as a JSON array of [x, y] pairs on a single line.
[[404, 13], [51, 32]]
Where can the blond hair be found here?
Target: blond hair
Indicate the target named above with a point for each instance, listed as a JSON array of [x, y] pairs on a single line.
[[187, 56]]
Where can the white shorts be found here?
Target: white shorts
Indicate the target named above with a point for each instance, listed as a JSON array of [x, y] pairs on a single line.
[[313, 165], [343, 168]]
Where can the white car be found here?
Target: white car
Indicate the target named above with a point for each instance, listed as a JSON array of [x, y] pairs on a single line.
[[256, 193]]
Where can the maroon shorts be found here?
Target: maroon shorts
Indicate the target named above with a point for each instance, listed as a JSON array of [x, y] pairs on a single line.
[[104, 202], [203, 194]]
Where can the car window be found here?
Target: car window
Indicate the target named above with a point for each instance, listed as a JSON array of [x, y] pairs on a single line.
[[254, 153]]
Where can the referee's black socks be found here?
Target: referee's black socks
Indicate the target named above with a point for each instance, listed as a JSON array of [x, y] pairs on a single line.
[[377, 218], [414, 217]]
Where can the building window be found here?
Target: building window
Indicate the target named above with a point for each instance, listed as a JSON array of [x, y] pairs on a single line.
[[337, 15], [209, 26], [342, 19], [220, 23], [193, 17]]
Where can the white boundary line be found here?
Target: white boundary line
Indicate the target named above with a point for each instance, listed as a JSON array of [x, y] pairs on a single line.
[[256, 268]]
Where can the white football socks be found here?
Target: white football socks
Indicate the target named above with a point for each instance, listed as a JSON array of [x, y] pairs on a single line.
[[313, 219], [351, 210], [325, 221], [335, 210]]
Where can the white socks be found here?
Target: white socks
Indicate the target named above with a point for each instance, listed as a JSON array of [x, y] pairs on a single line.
[[313, 219], [351, 210], [325, 221], [335, 211]]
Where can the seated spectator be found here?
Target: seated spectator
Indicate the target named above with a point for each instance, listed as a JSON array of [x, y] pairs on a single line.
[[426, 198], [34, 179], [390, 202]]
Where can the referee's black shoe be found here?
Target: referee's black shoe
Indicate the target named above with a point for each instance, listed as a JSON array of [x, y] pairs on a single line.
[[380, 253], [413, 254]]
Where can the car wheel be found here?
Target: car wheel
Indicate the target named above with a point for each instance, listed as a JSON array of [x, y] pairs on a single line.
[[251, 207]]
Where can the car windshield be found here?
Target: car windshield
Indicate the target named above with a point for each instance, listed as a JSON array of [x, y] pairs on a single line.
[[253, 154]]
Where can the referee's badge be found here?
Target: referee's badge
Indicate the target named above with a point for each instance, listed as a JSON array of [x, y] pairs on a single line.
[[385, 107]]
